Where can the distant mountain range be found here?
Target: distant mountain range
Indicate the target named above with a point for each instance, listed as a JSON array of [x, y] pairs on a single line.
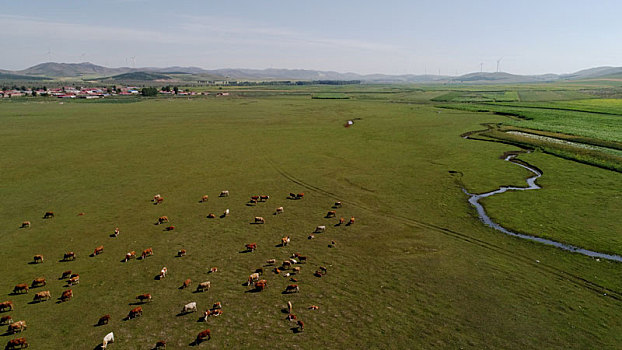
[[91, 72]]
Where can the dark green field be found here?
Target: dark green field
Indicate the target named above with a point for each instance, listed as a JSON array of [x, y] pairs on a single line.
[[417, 269]]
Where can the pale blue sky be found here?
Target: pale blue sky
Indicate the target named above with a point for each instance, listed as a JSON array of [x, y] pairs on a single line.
[[394, 37]]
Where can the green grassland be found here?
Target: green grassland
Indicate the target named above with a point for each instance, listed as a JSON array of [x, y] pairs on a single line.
[[416, 270]]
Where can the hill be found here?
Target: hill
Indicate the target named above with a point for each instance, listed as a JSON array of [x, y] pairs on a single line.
[[53, 69], [137, 76], [5, 75]]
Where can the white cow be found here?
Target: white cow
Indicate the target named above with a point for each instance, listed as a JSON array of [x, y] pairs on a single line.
[[163, 272], [190, 307], [224, 193], [226, 212], [320, 229], [109, 338], [252, 278]]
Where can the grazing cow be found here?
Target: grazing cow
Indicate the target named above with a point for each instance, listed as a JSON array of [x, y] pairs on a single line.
[[170, 228], [259, 271], [181, 252], [276, 270], [65, 274], [144, 297], [292, 288], [291, 317], [67, 295], [186, 283], [254, 198], [300, 195], [351, 220], [6, 319], [162, 219], [25, 224], [116, 232], [297, 269], [337, 205], [203, 286], [147, 252], [317, 273], [279, 210], [69, 256], [260, 220], [224, 193], [211, 215], [252, 278], [103, 320], [301, 325], [155, 198], [263, 198], [341, 220], [302, 258], [213, 269], [20, 288], [226, 213], [331, 214], [37, 282], [159, 200], [217, 305], [323, 269], [202, 335], [270, 261], [320, 229], [17, 342], [38, 258], [109, 338], [160, 344], [251, 247], [292, 195], [18, 326], [81, 214], [48, 215], [98, 250], [215, 313], [163, 272], [314, 307], [6, 305], [289, 307], [311, 236], [286, 264], [190, 307], [135, 312], [284, 241], [204, 198], [74, 280], [130, 255], [260, 285]]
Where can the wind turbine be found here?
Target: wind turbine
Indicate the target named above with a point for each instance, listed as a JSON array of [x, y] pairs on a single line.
[[481, 67], [498, 62], [133, 61], [49, 53]]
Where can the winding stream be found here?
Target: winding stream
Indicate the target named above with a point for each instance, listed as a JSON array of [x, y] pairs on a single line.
[[531, 182]]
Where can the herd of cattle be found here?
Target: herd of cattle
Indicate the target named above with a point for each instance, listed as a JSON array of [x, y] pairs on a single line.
[[254, 280]]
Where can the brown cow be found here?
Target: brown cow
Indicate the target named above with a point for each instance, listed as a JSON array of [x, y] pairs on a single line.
[[351, 221], [314, 307], [181, 252], [292, 288], [147, 252], [159, 200], [67, 295], [341, 220], [217, 305], [74, 280], [18, 326], [144, 297], [211, 215], [254, 198], [186, 283], [260, 220], [203, 286], [162, 219], [161, 344], [284, 241], [41, 296], [213, 270], [116, 232], [20, 288], [65, 274], [17, 342], [103, 320], [286, 264], [37, 282], [6, 305], [25, 224], [129, 255], [251, 247], [331, 214], [270, 261], [202, 335], [69, 256], [135, 312], [300, 195], [260, 285], [301, 325], [98, 250], [337, 205], [38, 258], [291, 317], [170, 228], [48, 215], [6, 319], [204, 198], [263, 198]]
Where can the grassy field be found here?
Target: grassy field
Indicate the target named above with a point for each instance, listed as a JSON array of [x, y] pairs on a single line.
[[416, 270]]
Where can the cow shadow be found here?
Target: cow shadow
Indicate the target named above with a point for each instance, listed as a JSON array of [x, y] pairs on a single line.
[[256, 223], [223, 216], [285, 310], [250, 204], [295, 330], [183, 313], [348, 224], [32, 263], [112, 235], [337, 224], [245, 251], [34, 302], [99, 346], [137, 303], [201, 319], [254, 290], [279, 245]]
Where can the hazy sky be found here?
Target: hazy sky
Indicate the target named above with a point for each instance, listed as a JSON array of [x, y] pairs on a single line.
[[389, 36]]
